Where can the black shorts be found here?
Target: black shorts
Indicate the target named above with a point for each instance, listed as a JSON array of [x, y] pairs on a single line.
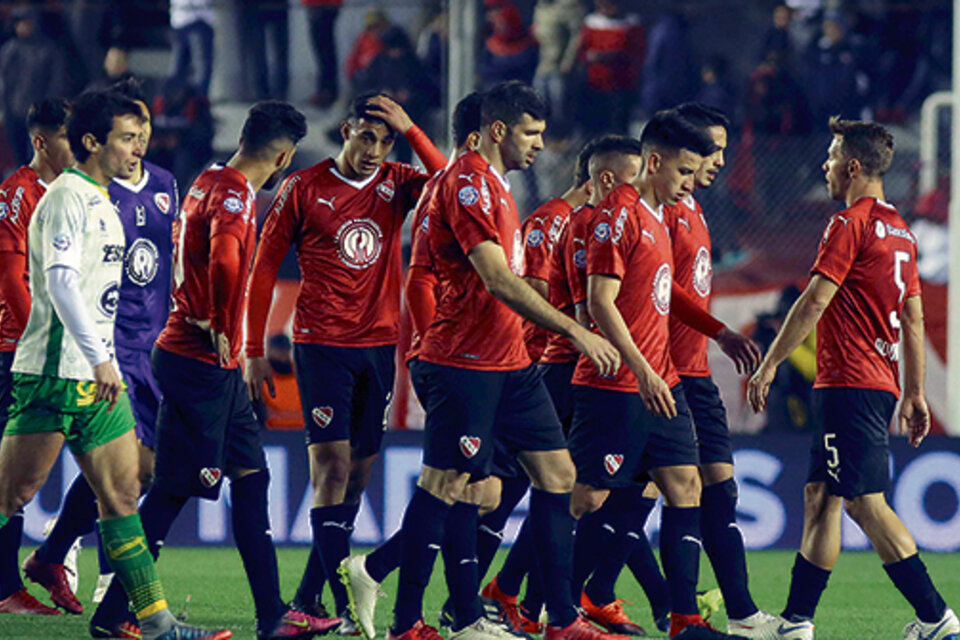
[[850, 452], [557, 377], [6, 387], [206, 427], [709, 419], [615, 440], [345, 393], [467, 410], [144, 392]]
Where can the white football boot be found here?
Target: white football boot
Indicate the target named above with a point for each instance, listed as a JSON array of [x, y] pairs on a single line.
[[947, 628]]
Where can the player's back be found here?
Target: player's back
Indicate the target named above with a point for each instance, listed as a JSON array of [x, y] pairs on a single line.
[[558, 347], [540, 231], [420, 243]]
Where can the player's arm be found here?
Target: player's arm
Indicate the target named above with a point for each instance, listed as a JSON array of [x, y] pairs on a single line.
[[490, 262], [13, 286], [539, 285], [800, 321], [744, 352], [602, 292], [224, 294], [397, 118], [914, 414], [421, 296]]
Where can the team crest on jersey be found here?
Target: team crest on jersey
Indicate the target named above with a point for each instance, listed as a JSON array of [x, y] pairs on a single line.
[[210, 476], [580, 258], [469, 446], [881, 230], [322, 416], [61, 242], [108, 300], [386, 189], [162, 200], [425, 225], [516, 260], [233, 205], [602, 232], [662, 282], [702, 272], [535, 238], [468, 195], [142, 262], [612, 462], [359, 243]]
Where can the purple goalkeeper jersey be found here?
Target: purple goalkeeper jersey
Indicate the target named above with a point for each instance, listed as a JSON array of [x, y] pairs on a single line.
[[147, 210]]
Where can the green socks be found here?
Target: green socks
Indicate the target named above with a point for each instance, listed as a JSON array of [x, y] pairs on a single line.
[[126, 547]]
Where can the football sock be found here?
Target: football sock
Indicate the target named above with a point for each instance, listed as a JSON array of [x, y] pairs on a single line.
[[680, 550], [332, 527], [423, 526], [911, 578], [806, 587], [492, 524], [519, 561], [311, 584], [617, 541], [723, 544], [78, 517], [460, 563], [644, 566], [130, 558], [586, 549], [251, 531], [553, 535], [533, 597], [102, 556], [10, 535], [384, 558], [4, 519]]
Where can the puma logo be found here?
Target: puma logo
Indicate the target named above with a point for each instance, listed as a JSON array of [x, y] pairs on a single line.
[[329, 202], [684, 222], [843, 219]]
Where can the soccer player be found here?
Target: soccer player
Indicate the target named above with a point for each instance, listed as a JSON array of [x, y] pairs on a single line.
[[147, 203], [206, 427], [864, 300], [66, 385], [19, 194], [693, 272], [345, 216]]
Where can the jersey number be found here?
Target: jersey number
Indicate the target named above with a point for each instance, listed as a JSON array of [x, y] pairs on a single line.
[[899, 259]]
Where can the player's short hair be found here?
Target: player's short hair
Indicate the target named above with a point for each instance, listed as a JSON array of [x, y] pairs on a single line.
[[703, 116], [360, 109], [669, 132], [466, 117], [93, 112], [508, 101], [49, 114], [269, 121], [868, 142], [132, 88], [612, 145], [581, 170]]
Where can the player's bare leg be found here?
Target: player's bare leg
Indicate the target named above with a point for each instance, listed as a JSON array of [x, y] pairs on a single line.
[[25, 463], [890, 539], [822, 514]]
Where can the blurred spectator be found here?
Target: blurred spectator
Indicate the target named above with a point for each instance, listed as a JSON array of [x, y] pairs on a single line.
[[667, 67], [32, 67], [714, 90], [611, 50], [432, 41], [510, 52], [115, 68], [777, 38], [835, 83], [556, 26], [257, 19], [367, 45], [282, 411], [775, 101], [192, 22], [182, 130], [322, 15]]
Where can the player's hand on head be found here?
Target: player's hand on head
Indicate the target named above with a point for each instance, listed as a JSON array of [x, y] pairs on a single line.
[[391, 111], [759, 387], [258, 372], [109, 384], [914, 418], [603, 354], [744, 352], [656, 394]]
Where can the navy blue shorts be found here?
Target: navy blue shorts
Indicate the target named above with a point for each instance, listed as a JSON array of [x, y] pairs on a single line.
[[851, 451], [557, 377], [206, 427], [6, 387], [468, 410], [615, 440], [709, 418], [144, 392], [345, 393]]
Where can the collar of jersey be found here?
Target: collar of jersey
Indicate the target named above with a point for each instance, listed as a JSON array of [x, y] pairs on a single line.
[[503, 181], [656, 213], [135, 188], [84, 176], [356, 184]]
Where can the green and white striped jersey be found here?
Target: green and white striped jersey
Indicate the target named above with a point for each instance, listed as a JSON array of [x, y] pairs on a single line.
[[74, 225]]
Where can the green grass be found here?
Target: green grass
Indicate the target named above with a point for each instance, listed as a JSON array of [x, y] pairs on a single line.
[[860, 602]]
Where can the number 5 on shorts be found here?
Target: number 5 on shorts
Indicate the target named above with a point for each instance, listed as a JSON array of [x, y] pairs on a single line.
[[833, 460]]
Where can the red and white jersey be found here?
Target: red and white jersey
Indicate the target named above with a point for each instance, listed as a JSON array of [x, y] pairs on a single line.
[[567, 254], [693, 271], [472, 329], [627, 239], [348, 235], [420, 243], [576, 255], [221, 200], [19, 195], [540, 234], [870, 253]]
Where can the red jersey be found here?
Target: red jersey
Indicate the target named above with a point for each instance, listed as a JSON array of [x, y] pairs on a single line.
[[628, 240], [540, 234], [575, 257], [19, 195], [420, 243], [559, 348], [348, 235], [472, 329], [612, 49], [693, 272], [221, 200], [868, 251]]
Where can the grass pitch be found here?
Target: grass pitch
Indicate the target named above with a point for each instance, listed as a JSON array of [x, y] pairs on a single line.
[[860, 602]]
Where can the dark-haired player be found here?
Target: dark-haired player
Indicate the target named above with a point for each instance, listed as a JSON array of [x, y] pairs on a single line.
[[66, 385], [19, 194], [206, 427], [864, 300], [345, 216]]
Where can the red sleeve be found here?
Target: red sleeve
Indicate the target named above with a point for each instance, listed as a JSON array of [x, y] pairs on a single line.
[[913, 275], [225, 270], [465, 213], [838, 247], [13, 286], [604, 255], [13, 229], [420, 245], [421, 297], [685, 309], [433, 158], [536, 256], [278, 234]]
